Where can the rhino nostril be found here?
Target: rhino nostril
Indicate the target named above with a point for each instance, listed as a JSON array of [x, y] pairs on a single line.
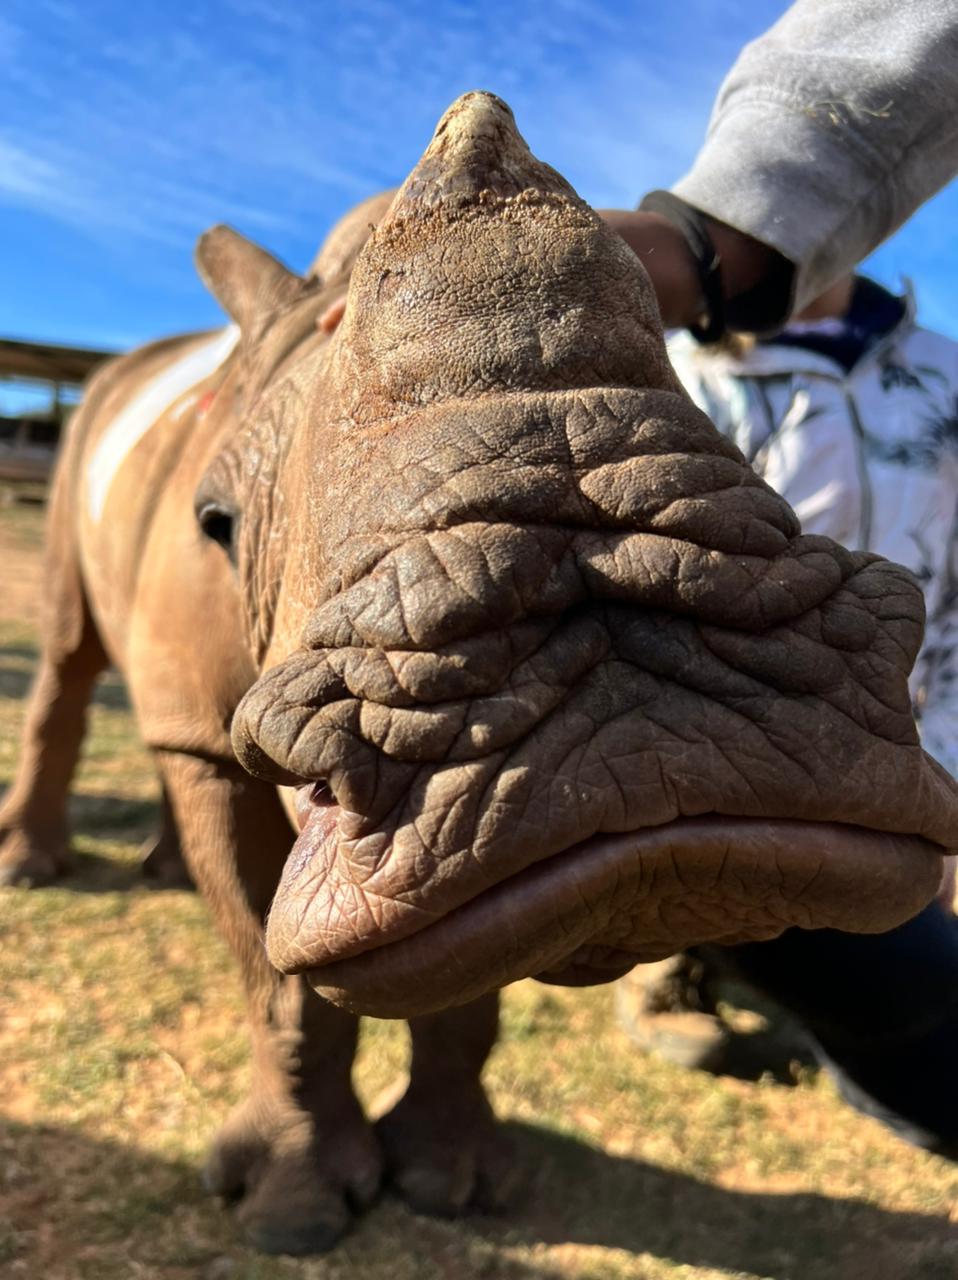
[[311, 796], [321, 794]]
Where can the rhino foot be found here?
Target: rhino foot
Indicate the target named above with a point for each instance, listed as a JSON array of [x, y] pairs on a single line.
[[298, 1187], [29, 859], [448, 1155]]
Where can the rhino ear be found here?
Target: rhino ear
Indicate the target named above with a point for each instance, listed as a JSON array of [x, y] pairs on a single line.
[[246, 281]]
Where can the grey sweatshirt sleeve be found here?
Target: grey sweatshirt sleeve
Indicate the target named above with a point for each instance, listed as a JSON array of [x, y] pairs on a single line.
[[831, 129]]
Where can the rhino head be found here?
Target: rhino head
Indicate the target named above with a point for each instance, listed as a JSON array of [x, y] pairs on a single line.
[[561, 683]]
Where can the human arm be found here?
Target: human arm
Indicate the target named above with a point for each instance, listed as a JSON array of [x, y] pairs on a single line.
[[662, 249], [828, 133]]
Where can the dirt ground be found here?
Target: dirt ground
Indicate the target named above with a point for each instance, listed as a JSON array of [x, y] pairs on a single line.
[[122, 1048]]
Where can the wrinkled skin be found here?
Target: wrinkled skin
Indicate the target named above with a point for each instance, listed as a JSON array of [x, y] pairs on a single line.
[[559, 682], [130, 577], [573, 688]]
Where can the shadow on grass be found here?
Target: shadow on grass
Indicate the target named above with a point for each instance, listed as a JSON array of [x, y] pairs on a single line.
[[103, 1194], [15, 682], [78, 1208], [131, 820], [135, 821], [25, 652], [581, 1194], [113, 817], [93, 873]]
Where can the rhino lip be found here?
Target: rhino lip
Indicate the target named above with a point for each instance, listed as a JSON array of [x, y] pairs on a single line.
[[711, 878]]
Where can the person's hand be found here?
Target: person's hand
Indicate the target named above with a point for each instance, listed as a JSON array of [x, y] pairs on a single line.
[[662, 250]]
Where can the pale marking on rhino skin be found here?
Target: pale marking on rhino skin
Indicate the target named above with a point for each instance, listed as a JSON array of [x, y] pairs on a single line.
[[146, 408], [184, 406]]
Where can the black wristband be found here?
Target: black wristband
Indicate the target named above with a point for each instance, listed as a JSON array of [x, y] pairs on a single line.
[[691, 223], [767, 305], [762, 309]]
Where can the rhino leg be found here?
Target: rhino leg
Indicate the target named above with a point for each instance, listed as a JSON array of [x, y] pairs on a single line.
[[445, 1151], [34, 840], [298, 1151]]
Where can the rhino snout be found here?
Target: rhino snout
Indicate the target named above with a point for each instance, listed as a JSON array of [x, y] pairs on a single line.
[[580, 689]]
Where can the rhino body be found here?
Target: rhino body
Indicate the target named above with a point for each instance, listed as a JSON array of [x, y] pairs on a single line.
[[472, 595]]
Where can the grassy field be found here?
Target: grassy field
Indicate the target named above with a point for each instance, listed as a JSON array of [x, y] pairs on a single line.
[[122, 1048]]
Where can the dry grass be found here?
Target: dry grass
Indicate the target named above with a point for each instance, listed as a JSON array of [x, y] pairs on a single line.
[[121, 1049]]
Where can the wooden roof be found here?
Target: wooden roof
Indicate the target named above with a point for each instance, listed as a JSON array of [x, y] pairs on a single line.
[[49, 362]]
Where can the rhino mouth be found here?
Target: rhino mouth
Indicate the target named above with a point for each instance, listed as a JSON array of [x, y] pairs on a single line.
[[628, 784], [589, 913]]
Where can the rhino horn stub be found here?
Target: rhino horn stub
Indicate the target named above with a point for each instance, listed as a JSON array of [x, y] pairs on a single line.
[[476, 149], [248, 283], [490, 274]]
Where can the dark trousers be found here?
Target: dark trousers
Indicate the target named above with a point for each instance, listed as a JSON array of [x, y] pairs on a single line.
[[882, 1012]]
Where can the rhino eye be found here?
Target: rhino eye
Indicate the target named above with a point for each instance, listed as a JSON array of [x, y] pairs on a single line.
[[218, 523]]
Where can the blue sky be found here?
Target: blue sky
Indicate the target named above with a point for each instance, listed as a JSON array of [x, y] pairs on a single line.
[[127, 128]]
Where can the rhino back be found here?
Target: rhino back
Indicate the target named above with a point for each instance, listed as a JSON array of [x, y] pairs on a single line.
[[135, 452]]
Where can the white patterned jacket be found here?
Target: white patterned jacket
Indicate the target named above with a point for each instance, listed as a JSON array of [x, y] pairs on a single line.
[[868, 457]]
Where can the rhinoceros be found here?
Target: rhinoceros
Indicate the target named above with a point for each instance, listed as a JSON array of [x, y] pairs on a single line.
[[475, 600]]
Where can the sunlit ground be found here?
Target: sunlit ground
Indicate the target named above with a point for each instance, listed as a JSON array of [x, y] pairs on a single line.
[[122, 1048]]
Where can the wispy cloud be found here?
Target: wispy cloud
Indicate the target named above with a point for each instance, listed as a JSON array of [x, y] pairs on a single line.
[[119, 119], [132, 127]]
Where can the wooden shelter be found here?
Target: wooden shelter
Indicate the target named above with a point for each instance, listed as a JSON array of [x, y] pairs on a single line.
[[42, 383]]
